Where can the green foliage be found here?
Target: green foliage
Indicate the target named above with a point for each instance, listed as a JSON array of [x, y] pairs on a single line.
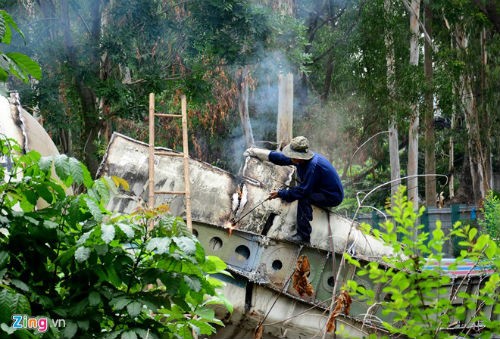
[[65, 256], [14, 63], [415, 300], [232, 30], [491, 212]]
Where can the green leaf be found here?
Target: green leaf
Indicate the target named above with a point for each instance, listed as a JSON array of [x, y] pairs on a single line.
[[481, 242], [45, 163], [108, 233], [79, 307], [75, 170], [3, 75], [4, 258], [82, 254], [50, 224], [490, 251], [204, 327], [187, 245], [20, 285], [100, 190], [205, 313], [94, 209], [472, 234], [112, 276], [83, 324], [12, 303], [129, 335], [119, 302], [87, 177], [134, 309], [193, 283], [8, 22], [159, 245], [214, 265], [8, 329], [70, 329], [44, 193], [94, 298], [129, 231], [61, 164], [26, 65]]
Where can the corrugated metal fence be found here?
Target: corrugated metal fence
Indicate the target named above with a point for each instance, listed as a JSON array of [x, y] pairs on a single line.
[[468, 215]]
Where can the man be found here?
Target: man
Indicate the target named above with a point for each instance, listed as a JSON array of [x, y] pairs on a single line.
[[319, 183]]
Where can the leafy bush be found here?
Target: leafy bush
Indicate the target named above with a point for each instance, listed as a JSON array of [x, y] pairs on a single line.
[[14, 63], [491, 212], [415, 296], [103, 274]]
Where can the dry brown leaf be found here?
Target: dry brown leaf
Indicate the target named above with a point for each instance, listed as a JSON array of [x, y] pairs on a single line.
[[347, 302], [299, 279], [342, 305], [330, 325]]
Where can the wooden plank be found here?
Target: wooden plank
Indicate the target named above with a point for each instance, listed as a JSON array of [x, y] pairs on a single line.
[[170, 192], [164, 115], [151, 158], [185, 146], [170, 154]]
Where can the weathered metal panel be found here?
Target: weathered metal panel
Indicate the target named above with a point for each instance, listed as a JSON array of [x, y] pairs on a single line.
[[213, 192], [18, 124], [255, 247]]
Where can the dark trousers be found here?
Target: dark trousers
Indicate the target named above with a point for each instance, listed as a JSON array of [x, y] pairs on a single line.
[[304, 212]]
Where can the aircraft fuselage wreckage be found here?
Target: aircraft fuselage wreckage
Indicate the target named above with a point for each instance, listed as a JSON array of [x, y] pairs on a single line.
[[280, 288]]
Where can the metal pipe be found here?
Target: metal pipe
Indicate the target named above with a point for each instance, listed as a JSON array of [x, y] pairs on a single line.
[[234, 222]]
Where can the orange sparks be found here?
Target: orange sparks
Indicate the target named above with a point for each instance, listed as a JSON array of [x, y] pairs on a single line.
[[230, 226]]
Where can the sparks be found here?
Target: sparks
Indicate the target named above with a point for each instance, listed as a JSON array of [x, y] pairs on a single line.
[[230, 226]]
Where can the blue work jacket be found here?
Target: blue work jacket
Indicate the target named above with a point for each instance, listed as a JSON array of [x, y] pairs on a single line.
[[316, 175]]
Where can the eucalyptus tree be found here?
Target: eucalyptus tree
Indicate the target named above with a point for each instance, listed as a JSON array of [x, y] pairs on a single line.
[[380, 54], [413, 128], [461, 86], [466, 66], [428, 111]]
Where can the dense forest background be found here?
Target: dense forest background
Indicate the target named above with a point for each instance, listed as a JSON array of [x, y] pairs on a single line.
[[384, 88]]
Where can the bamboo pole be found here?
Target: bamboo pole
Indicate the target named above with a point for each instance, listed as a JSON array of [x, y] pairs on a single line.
[[185, 146]]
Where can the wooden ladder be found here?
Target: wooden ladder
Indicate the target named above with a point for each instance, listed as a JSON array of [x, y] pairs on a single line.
[[185, 154]]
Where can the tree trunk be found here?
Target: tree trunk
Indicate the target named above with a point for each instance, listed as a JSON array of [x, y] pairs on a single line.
[[414, 118], [477, 156], [284, 131], [393, 131], [430, 156], [243, 107], [485, 112], [451, 161], [104, 73], [328, 78], [90, 116]]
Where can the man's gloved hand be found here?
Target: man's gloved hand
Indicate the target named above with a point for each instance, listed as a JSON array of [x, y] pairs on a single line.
[[259, 153], [273, 195]]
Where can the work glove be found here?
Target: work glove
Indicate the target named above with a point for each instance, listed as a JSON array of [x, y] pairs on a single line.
[[259, 153]]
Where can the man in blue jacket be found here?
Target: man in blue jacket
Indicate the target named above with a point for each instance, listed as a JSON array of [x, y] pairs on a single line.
[[319, 182]]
